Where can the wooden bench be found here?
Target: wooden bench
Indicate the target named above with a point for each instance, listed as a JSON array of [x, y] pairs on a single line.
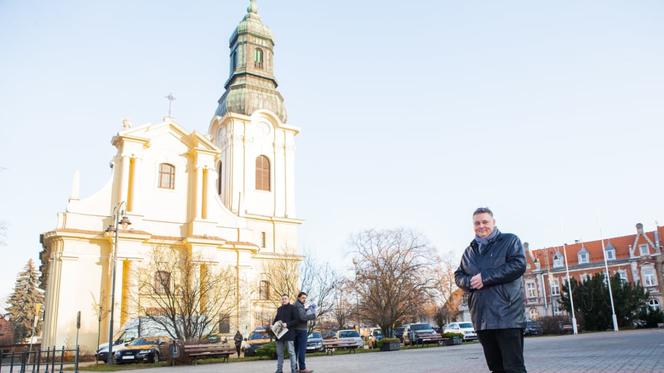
[[205, 351], [330, 345]]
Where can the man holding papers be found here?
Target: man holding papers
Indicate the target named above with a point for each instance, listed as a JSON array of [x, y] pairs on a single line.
[[282, 328]]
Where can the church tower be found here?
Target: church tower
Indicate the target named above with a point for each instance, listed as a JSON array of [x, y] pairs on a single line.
[[255, 174]]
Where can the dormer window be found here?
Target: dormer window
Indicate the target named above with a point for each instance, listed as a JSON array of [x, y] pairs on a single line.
[[584, 256], [610, 253], [643, 250], [258, 58], [557, 260]]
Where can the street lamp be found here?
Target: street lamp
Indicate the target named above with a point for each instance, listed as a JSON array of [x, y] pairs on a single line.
[[124, 222]]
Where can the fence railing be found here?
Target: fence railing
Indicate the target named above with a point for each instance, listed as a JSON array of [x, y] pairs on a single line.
[[39, 361]]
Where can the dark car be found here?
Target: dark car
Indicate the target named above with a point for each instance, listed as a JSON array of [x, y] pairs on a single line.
[[533, 328], [398, 333], [148, 349], [315, 342], [259, 337]]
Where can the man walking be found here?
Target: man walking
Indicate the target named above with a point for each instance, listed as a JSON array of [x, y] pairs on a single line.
[[238, 342], [304, 315], [287, 314], [490, 271]]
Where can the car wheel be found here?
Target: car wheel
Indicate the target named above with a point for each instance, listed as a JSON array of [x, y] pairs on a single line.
[[155, 358]]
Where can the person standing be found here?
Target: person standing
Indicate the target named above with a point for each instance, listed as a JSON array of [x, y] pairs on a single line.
[[491, 272], [304, 315], [287, 314], [238, 342]]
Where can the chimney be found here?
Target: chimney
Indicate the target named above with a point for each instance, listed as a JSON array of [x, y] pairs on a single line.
[[639, 228]]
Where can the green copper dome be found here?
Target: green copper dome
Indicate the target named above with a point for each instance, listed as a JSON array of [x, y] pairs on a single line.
[[252, 85]]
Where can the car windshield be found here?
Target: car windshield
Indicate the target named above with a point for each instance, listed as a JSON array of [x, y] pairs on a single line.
[[259, 335], [349, 334], [377, 333], [466, 325], [420, 326], [315, 335], [142, 342]]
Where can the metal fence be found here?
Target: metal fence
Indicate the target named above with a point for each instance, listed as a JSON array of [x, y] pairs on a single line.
[[38, 361]]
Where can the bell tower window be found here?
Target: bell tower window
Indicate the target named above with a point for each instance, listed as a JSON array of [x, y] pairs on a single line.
[[263, 173], [258, 58]]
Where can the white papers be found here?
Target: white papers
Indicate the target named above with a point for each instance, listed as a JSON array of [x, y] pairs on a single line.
[[279, 329]]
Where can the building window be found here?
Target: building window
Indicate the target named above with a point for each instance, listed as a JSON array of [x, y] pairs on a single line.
[[224, 325], [264, 290], [258, 58], [622, 275], [643, 250], [534, 315], [584, 257], [166, 176], [263, 240], [610, 253], [162, 282], [530, 288], [233, 61], [263, 173], [557, 260], [219, 173], [555, 287], [653, 304], [649, 277]]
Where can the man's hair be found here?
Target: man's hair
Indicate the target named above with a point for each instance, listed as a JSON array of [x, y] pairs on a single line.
[[285, 295], [301, 294], [483, 210]]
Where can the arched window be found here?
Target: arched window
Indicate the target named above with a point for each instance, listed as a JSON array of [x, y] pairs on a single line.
[[258, 58], [162, 282], [264, 290], [654, 304], [219, 173], [166, 176], [262, 173]]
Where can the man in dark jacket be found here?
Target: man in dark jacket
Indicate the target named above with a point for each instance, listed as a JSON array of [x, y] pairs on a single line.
[[304, 315], [287, 314], [238, 342], [490, 271]]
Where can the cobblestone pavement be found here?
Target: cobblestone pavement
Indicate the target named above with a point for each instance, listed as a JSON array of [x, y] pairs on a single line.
[[630, 351]]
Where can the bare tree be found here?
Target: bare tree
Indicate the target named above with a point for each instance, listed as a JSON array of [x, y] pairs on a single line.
[[185, 295], [393, 274], [320, 282], [447, 307], [343, 309], [281, 275]]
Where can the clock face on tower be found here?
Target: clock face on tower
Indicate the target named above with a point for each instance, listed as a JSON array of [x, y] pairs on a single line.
[[264, 128]]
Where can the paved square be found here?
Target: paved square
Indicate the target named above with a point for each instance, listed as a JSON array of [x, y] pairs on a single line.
[[631, 351]]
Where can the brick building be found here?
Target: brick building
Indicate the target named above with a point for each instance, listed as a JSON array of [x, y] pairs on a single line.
[[635, 258], [6, 332]]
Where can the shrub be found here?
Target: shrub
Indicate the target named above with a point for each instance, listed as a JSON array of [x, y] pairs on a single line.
[[553, 324], [380, 343], [651, 318], [452, 335], [268, 350]]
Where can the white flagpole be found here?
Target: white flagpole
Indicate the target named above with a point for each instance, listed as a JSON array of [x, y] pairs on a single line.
[[569, 290], [608, 281]]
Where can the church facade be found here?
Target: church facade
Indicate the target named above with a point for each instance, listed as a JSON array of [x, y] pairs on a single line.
[[227, 196]]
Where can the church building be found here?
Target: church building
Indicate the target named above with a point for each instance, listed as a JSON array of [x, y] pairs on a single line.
[[227, 196]]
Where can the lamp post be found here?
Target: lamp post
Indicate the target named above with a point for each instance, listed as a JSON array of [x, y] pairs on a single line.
[[124, 222]]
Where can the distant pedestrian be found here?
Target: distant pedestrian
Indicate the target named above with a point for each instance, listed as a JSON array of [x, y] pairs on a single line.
[[287, 314], [490, 271], [238, 342], [304, 315]]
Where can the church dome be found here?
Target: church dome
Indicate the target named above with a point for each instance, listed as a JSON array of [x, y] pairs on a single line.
[[252, 24]]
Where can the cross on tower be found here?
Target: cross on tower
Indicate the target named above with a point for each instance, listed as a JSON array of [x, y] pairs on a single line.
[[170, 99]]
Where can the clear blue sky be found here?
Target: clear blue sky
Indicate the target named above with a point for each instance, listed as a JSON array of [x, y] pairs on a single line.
[[413, 113]]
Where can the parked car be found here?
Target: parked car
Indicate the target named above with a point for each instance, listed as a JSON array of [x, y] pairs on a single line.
[[148, 349], [412, 333], [315, 342], [330, 334], [350, 335], [398, 333], [257, 338], [533, 328], [375, 335], [464, 328]]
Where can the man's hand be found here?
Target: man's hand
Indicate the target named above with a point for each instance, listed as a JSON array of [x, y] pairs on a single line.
[[476, 282]]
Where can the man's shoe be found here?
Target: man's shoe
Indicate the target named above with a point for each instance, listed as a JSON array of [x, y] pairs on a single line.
[[306, 371]]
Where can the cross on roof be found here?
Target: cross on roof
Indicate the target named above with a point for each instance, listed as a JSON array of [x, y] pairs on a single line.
[[170, 99]]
